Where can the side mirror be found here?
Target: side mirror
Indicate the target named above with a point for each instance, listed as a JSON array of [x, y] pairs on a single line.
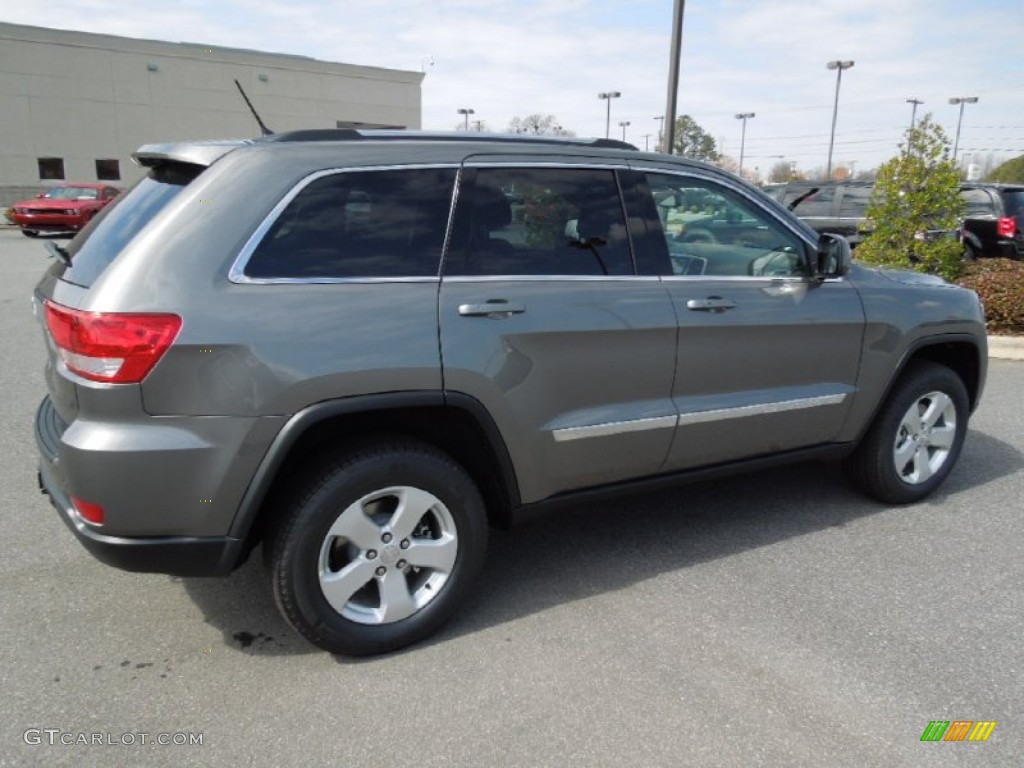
[[833, 257]]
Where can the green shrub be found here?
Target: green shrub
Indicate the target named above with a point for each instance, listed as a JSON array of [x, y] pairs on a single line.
[[1000, 284]]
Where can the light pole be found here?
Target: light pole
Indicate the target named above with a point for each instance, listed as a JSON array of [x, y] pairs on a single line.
[[839, 66], [661, 131], [961, 100], [465, 114], [647, 142], [913, 110], [675, 54], [623, 125], [744, 116], [608, 96]]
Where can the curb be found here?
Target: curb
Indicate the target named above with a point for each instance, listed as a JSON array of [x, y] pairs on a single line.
[[1006, 347]]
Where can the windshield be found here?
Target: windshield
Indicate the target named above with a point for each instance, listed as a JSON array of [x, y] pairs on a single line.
[[72, 193], [96, 246]]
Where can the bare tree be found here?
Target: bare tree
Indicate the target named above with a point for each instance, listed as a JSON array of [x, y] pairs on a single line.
[[538, 125]]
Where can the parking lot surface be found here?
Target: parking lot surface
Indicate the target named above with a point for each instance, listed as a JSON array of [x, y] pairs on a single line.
[[778, 619]]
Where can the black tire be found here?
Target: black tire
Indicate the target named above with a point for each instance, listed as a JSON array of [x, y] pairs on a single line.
[[29, 233], [877, 466], [357, 497]]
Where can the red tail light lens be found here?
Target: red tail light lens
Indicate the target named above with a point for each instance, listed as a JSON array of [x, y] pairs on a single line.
[[110, 347], [1007, 226], [91, 513]]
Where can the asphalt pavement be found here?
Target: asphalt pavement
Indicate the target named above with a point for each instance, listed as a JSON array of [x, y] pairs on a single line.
[[779, 619]]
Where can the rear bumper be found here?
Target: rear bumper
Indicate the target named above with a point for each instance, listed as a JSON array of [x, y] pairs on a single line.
[[176, 555]]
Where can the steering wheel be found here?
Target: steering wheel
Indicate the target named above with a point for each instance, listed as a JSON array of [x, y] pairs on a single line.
[[697, 235]]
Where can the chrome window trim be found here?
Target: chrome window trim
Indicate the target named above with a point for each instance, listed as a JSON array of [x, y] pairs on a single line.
[[236, 272], [761, 409], [611, 428], [550, 278], [527, 164]]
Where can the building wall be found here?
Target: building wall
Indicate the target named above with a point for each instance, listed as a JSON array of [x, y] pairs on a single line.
[[84, 97]]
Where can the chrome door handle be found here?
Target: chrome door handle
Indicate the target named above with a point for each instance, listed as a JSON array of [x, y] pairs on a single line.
[[491, 308], [710, 304]]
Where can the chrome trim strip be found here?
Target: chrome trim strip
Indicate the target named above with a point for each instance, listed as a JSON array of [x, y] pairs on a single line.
[[613, 428], [550, 278], [480, 161], [737, 278], [742, 411], [236, 273]]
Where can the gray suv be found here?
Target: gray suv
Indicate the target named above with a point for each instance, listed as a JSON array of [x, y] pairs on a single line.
[[360, 349]]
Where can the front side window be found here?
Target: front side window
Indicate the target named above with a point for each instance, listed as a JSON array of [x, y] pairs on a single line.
[[539, 221], [711, 230], [360, 224]]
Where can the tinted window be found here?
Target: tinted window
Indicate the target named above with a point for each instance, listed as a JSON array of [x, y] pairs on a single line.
[[978, 202], [51, 167], [360, 224], [118, 223], [1013, 202], [811, 201], [854, 202], [108, 170], [540, 221], [711, 230]]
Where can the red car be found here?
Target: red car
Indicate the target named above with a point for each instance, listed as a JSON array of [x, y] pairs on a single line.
[[62, 209]]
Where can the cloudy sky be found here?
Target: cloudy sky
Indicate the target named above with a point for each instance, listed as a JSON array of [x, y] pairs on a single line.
[[504, 59]]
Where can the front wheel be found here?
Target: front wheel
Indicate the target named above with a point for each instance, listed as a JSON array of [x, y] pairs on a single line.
[[29, 233], [378, 549], [916, 437]]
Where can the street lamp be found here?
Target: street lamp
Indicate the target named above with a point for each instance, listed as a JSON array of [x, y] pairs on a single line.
[[608, 96], [661, 132], [647, 142], [838, 66], [744, 116], [961, 100], [465, 114], [913, 110], [623, 125]]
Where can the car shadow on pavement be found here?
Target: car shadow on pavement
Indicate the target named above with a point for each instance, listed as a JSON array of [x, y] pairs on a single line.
[[586, 550]]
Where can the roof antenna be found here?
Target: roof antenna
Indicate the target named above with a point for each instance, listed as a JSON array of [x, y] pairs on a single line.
[[266, 131]]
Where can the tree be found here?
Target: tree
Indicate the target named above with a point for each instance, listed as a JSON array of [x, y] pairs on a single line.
[[916, 192], [693, 141], [1011, 172], [782, 171], [538, 125]]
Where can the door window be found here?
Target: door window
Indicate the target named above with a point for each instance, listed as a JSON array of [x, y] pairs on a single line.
[[539, 221], [711, 230]]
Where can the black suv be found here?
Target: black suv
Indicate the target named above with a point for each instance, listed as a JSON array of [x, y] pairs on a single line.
[[994, 222]]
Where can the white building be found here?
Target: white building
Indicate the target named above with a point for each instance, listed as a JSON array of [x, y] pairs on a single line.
[[75, 105]]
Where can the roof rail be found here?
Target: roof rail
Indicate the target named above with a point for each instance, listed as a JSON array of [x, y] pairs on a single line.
[[353, 134]]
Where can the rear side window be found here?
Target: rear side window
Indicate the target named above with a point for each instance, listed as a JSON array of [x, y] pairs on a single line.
[[118, 223], [360, 224], [854, 202], [811, 202]]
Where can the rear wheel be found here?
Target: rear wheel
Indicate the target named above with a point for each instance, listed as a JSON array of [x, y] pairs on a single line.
[[378, 549], [916, 437]]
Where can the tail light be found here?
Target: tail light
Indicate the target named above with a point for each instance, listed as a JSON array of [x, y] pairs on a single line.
[[118, 348], [1007, 226]]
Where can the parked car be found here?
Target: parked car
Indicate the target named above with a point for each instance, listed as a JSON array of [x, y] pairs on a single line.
[[828, 206], [994, 222], [358, 357], [62, 209]]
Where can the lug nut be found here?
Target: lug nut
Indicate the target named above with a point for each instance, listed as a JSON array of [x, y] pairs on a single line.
[[386, 538], [381, 570], [404, 544], [401, 564], [371, 554]]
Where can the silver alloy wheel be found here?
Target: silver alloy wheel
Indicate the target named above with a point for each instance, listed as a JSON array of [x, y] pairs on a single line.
[[388, 555], [925, 437]]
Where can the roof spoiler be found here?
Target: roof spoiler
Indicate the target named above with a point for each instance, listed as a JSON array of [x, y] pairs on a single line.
[[202, 153]]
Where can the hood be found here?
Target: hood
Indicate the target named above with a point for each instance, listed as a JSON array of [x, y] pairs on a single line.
[[909, 277]]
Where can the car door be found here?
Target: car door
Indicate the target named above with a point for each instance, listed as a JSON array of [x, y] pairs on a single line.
[[767, 358], [544, 321]]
